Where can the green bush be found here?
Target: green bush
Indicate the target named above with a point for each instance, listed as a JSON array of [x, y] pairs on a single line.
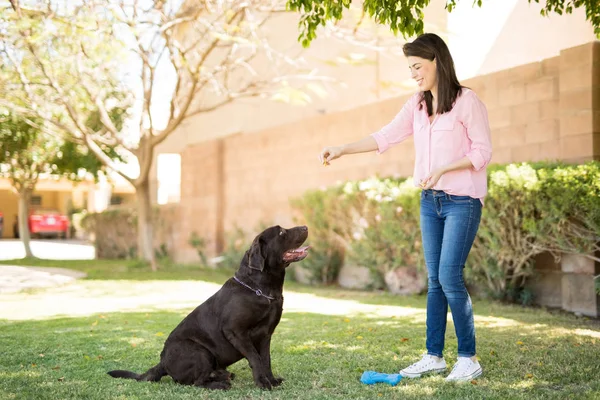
[[569, 206], [235, 248], [386, 234], [323, 211], [501, 260], [114, 232], [237, 242], [372, 223], [531, 208], [199, 244]]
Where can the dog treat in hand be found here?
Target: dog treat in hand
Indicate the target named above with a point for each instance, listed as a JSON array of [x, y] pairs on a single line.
[[372, 377]]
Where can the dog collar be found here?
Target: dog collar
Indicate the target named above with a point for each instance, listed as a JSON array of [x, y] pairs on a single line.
[[257, 291]]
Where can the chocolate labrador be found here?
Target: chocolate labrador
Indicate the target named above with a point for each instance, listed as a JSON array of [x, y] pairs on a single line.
[[236, 322]]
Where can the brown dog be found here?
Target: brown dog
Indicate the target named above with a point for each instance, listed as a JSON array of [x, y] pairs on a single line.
[[236, 322]]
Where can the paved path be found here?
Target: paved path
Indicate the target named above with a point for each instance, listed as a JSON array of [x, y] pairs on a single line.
[[16, 279], [92, 297]]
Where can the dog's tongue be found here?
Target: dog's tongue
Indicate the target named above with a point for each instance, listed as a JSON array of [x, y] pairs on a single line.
[[296, 254]]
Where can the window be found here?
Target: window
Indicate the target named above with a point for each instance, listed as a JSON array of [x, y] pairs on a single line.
[[169, 178], [36, 201], [116, 200]]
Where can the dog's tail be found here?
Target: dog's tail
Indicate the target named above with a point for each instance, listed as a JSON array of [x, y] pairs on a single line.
[[154, 374]]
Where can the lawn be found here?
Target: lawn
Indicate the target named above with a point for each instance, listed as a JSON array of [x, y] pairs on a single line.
[[326, 339]]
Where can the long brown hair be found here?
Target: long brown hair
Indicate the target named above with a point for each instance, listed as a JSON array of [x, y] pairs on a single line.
[[432, 47]]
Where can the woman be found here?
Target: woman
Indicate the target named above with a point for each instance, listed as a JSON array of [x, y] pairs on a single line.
[[453, 147]]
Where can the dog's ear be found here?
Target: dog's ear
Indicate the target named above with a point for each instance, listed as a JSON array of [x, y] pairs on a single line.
[[256, 260]]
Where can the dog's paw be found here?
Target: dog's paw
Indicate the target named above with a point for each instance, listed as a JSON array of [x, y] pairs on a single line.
[[221, 385], [276, 381], [221, 375], [264, 382]]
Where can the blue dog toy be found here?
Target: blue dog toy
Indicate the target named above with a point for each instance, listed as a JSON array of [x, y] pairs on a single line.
[[372, 377]]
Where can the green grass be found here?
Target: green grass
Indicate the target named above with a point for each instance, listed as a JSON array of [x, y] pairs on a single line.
[[526, 353]]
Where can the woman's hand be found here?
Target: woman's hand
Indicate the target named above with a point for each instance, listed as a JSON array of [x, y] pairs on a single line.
[[432, 179], [330, 153]]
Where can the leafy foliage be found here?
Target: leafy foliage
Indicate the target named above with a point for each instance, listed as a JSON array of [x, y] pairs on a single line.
[[532, 209], [114, 232], [384, 237], [325, 213], [406, 16], [370, 223]]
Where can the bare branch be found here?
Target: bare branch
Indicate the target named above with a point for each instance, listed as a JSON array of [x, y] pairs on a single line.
[[70, 110], [244, 92], [174, 121], [104, 159], [17, 7]]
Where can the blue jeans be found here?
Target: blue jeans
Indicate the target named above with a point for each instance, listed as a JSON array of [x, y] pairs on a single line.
[[448, 227]]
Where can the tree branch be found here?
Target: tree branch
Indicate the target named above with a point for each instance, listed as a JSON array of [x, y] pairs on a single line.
[[174, 121], [104, 159]]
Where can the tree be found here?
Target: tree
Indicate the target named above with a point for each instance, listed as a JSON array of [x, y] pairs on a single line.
[[27, 153], [70, 59], [406, 16]]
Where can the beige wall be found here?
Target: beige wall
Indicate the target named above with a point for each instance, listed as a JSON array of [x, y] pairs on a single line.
[[541, 111], [527, 37], [506, 33]]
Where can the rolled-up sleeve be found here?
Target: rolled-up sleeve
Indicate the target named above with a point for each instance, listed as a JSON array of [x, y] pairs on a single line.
[[400, 128], [475, 120]]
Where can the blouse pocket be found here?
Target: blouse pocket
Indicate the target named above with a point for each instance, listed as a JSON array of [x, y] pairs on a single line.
[[447, 139], [443, 125]]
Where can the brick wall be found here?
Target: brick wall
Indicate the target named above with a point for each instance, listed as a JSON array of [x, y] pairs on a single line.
[[541, 111]]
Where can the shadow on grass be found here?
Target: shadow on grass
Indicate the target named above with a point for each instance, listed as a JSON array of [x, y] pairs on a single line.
[[321, 357]]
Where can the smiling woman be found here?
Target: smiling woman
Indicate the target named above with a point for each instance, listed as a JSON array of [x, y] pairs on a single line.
[[453, 147]]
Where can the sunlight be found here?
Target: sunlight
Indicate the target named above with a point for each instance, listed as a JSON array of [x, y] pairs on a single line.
[[314, 345], [91, 297], [496, 322], [579, 332], [303, 302]]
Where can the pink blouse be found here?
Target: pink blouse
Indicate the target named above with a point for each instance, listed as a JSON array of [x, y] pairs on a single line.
[[464, 131]]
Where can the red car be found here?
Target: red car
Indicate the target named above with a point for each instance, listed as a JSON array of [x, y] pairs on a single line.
[[45, 222]]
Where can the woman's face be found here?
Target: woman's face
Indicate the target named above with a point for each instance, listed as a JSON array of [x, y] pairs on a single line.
[[423, 72]]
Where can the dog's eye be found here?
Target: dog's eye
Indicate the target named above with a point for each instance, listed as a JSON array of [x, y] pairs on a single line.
[[281, 233]]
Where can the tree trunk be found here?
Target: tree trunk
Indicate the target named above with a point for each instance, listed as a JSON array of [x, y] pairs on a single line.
[[24, 197], [145, 225]]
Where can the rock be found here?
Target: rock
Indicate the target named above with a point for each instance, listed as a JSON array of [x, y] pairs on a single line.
[[405, 281], [354, 277], [14, 279], [302, 275]]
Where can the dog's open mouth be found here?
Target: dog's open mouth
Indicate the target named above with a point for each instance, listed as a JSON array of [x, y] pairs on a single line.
[[296, 255]]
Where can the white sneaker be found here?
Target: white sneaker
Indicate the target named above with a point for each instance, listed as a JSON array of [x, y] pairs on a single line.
[[465, 369], [427, 365]]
